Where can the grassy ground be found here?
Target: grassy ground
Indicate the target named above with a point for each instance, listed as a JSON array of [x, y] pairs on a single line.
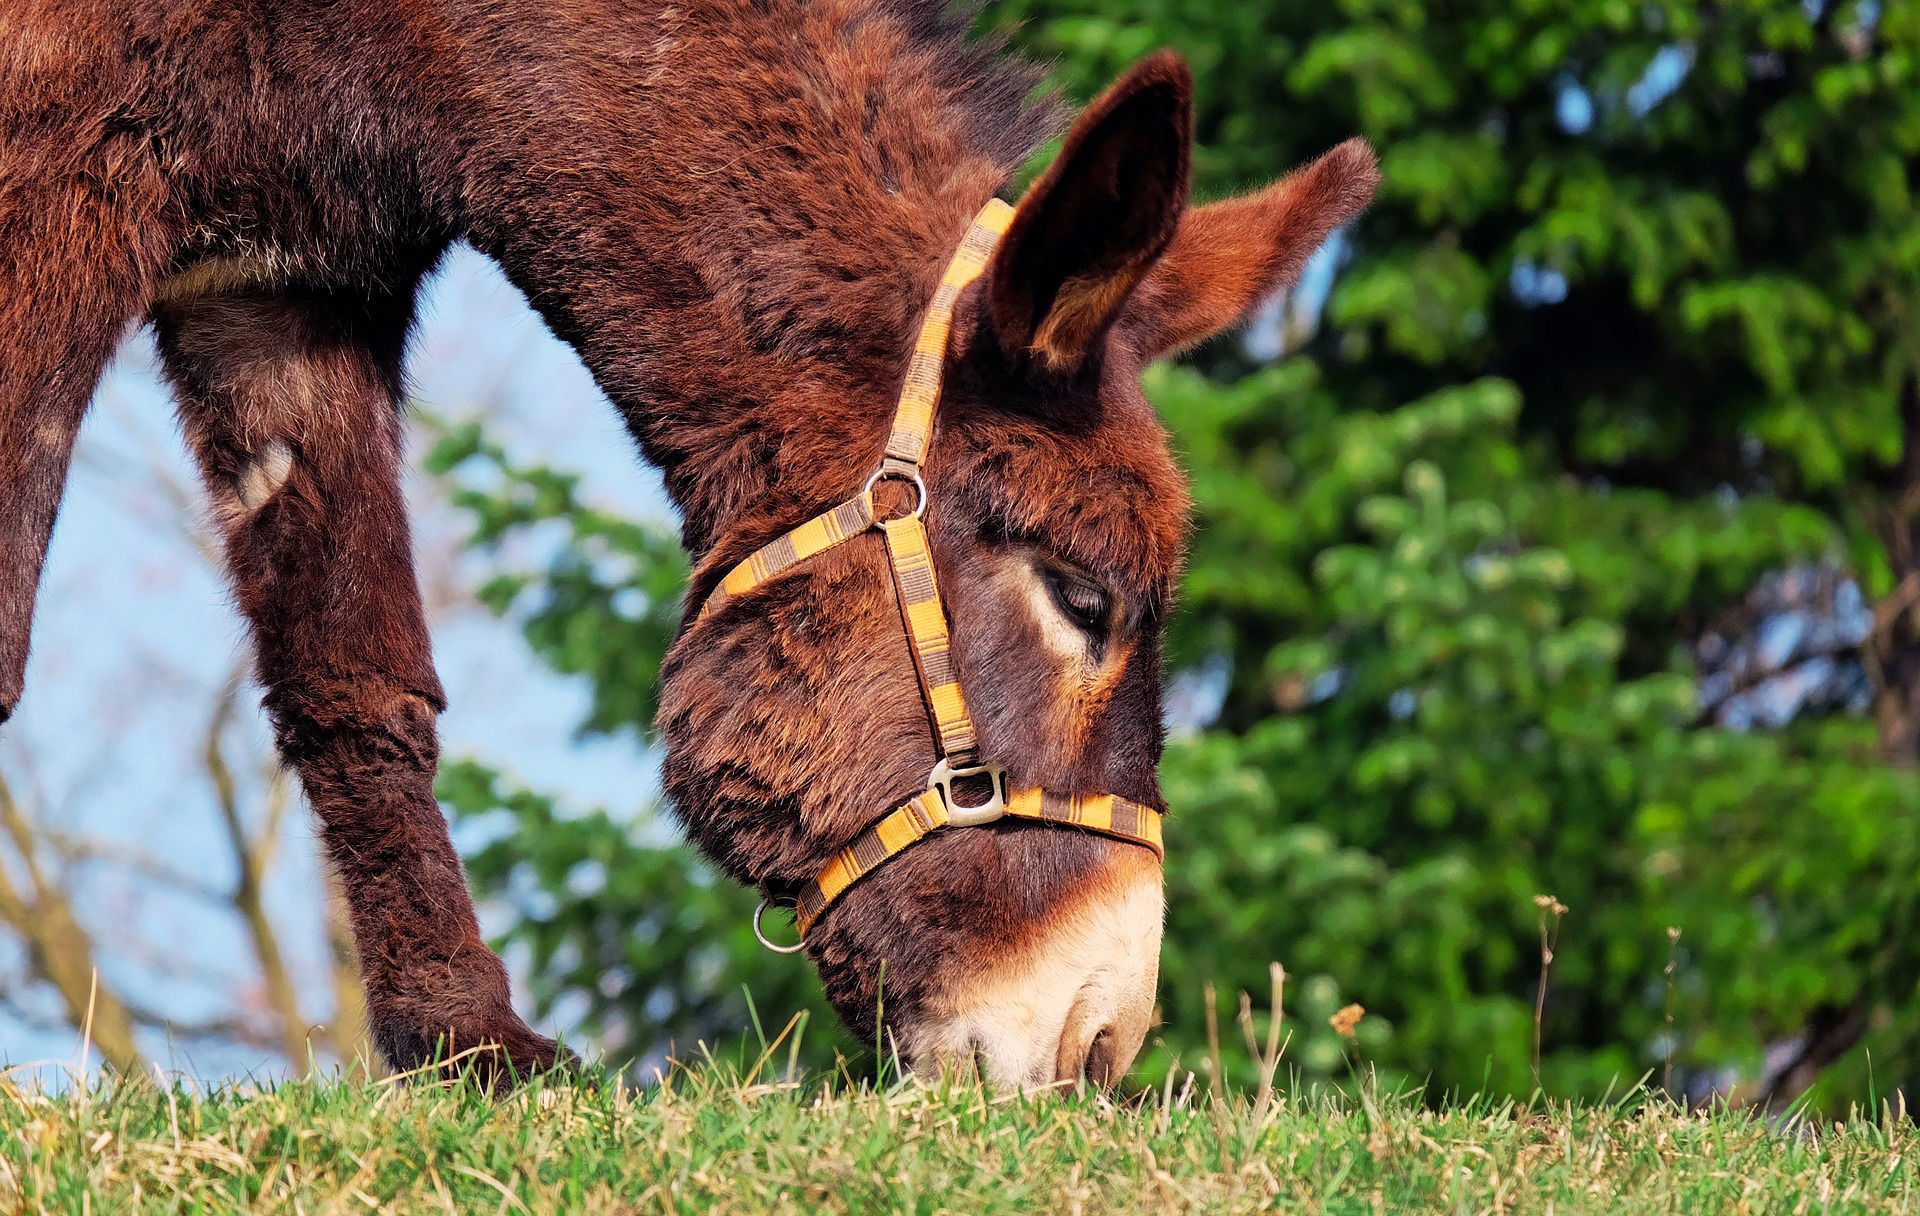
[[706, 1143]]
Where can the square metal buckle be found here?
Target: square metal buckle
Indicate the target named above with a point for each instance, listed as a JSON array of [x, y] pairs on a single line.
[[942, 778]]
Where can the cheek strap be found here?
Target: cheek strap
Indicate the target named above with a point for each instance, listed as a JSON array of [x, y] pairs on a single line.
[[924, 618]]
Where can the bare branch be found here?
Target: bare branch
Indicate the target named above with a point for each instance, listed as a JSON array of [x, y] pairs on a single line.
[[76, 850], [60, 951], [229, 1030], [251, 856], [349, 1032]]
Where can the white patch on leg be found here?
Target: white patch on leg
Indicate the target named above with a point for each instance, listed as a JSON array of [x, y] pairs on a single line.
[[224, 275], [263, 476]]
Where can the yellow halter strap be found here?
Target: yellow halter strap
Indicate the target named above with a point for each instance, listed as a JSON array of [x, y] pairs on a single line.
[[925, 619]]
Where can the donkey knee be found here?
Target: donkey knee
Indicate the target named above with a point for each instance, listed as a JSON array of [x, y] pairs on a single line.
[[394, 724]]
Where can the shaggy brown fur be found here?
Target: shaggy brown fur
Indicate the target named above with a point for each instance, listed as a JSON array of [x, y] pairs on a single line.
[[736, 211]]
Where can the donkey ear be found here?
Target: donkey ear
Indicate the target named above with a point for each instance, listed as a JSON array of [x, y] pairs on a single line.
[[1090, 228], [1228, 256]]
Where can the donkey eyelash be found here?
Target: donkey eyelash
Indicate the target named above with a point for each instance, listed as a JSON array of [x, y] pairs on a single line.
[[1080, 600]]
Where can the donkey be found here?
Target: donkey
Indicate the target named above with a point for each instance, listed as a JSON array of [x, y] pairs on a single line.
[[737, 212]]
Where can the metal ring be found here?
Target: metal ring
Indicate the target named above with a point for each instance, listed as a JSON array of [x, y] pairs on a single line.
[[883, 472], [760, 911], [995, 806]]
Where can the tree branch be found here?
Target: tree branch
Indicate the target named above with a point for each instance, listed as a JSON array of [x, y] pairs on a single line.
[[59, 950], [349, 1032], [252, 857]]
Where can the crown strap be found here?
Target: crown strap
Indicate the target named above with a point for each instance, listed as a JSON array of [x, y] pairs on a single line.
[[913, 420]]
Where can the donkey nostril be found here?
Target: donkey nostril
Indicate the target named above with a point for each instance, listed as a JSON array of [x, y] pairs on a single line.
[[1102, 1065], [1101, 1061]]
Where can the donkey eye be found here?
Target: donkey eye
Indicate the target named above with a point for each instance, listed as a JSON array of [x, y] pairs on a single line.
[[1084, 603]]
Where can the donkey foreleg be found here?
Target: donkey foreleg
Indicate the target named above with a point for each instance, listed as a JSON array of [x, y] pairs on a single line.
[[65, 299], [291, 403]]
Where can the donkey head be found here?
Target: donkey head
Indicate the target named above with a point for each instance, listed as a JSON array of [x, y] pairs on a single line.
[[1057, 518]]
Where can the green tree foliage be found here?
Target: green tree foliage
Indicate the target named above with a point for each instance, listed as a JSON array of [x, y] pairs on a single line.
[[1685, 232], [1631, 328], [1669, 253], [1453, 723]]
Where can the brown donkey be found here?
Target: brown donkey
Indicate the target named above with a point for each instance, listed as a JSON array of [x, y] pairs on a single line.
[[737, 211]]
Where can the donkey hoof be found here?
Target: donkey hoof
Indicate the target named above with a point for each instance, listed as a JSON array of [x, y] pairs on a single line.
[[499, 1053]]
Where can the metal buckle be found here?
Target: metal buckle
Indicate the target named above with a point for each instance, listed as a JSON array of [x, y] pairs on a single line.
[[942, 778], [760, 911], [883, 473]]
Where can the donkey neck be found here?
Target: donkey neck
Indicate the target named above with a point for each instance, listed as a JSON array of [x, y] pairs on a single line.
[[736, 211]]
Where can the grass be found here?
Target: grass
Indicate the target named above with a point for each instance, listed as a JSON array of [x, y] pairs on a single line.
[[708, 1141]]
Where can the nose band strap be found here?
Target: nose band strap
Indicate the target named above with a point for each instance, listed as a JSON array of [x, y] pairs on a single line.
[[924, 812], [924, 617]]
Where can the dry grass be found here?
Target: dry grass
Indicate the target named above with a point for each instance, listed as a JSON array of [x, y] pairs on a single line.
[[708, 1142]]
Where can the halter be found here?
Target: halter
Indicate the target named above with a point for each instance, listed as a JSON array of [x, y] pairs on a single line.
[[925, 620]]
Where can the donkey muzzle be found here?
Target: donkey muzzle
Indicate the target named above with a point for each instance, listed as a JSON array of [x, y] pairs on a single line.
[[1076, 1002]]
